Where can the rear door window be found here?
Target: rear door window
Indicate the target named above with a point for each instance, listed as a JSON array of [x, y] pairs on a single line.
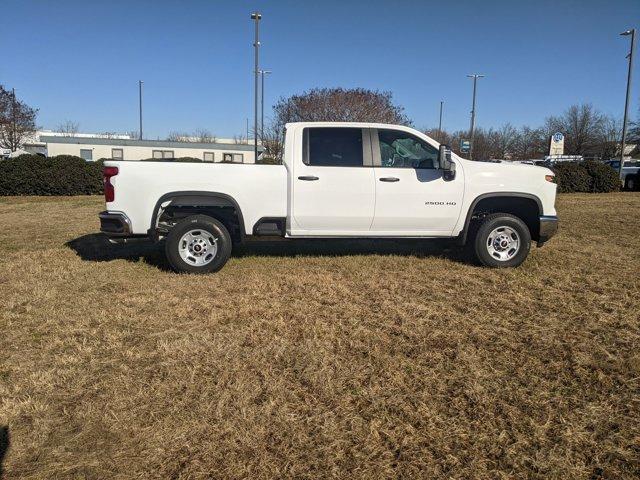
[[333, 147]]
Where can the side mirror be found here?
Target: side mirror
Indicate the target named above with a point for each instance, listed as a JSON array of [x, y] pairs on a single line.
[[447, 165]]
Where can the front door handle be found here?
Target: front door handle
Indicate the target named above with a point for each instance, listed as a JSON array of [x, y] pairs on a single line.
[[389, 179], [308, 178]]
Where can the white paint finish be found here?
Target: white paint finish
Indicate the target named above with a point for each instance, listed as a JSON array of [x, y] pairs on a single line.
[[420, 201], [485, 177], [340, 202], [342, 199], [259, 190]]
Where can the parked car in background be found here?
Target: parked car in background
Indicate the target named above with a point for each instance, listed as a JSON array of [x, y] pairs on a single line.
[[354, 180], [630, 173]]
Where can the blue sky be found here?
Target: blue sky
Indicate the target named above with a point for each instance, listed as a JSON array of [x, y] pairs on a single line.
[[81, 60]]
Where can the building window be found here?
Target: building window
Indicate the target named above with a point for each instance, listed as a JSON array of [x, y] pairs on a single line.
[[227, 157], [160, 154], [87, 154], [117, 153], [238, 158], [208, 156]]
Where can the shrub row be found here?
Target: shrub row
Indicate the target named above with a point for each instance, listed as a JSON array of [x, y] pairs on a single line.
[[69, 175], [61, 175], [588, 176]]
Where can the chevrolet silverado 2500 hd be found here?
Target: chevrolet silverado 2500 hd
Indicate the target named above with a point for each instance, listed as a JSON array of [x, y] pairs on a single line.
[[352, 180]]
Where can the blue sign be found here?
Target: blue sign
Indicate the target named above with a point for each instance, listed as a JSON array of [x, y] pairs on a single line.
[[558, 137], [465, 146]]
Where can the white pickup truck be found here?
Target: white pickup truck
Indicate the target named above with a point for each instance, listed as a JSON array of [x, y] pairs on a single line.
[[337, 180]]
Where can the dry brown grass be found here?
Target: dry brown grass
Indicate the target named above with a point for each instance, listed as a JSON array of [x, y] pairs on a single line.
[[387, 360]]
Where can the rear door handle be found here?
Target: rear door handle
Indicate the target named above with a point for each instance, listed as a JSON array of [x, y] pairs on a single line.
[[389, 179], [308, 178]]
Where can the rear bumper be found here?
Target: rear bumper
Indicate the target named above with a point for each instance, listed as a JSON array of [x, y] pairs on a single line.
[[115, 224], [548, 228]]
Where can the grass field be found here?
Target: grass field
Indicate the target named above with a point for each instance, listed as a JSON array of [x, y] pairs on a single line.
[[322, 359]]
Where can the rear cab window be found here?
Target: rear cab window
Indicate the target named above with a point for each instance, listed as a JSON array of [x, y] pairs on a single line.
[[334, 147]]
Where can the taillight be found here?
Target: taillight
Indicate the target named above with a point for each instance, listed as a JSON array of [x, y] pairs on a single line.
[[109, 191]]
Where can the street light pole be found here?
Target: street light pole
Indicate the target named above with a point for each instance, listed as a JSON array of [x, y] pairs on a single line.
[[13, 120], [631, 32], [256, 45], [440, 123], [262, 74], [473, 113], [140, 104]]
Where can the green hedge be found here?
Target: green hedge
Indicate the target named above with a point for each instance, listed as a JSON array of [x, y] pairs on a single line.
[[588, 176], [61, 175]]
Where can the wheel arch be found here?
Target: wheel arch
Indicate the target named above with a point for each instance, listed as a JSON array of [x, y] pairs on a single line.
[[526, 205], [195, 199]]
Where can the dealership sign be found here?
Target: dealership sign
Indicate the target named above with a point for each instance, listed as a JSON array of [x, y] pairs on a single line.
[[556, 145]]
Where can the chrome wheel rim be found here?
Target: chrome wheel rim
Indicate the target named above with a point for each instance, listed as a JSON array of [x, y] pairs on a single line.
[[198, 247], [503, 243]]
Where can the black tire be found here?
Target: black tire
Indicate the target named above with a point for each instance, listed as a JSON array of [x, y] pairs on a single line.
[[631, 183], [482, 246], [209, 228]]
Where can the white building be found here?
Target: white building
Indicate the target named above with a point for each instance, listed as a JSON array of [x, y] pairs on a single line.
[[93, 147]]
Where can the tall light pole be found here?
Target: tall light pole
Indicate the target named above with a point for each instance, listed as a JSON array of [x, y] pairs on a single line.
[[473, 113], [262, 74], [256, 46], [140, 104], [631, 32], [13, 121], [440, 123]]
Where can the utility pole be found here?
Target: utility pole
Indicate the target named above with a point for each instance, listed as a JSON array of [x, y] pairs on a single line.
[[440, 123], [256, 46], [247, 131], [473, 113], [13, 121], [140, 104], [631, 32], [262, 74]]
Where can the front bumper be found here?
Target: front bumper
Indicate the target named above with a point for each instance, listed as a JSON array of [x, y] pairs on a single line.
[[548, 228], [115, 224]]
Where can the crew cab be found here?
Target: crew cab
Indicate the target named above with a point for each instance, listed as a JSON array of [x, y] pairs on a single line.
[[356, 180]]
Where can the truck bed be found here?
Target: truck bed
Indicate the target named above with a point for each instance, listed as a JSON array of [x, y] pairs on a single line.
[[259, 190]]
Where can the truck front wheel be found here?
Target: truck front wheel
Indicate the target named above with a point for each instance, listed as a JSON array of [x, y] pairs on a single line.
[[198, 244], [502, 240]]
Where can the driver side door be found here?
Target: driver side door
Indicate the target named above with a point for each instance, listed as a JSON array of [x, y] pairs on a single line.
[[412, 197]]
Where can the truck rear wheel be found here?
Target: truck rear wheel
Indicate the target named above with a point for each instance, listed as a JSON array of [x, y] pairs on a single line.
[[502, 240], [198, 244]]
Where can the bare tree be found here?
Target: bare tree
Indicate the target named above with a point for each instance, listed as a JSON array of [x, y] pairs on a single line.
[[204, 136], [240, 139], [530, 143], [339, 105], [502, 142], [273, 142], [582, 126], [17, 120], [611, 136], [69, 128], [175, 136]]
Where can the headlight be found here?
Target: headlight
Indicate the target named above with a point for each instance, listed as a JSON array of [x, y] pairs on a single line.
[[550, 178]]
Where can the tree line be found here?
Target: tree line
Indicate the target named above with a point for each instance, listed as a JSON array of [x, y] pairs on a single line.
[[588, 132]]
